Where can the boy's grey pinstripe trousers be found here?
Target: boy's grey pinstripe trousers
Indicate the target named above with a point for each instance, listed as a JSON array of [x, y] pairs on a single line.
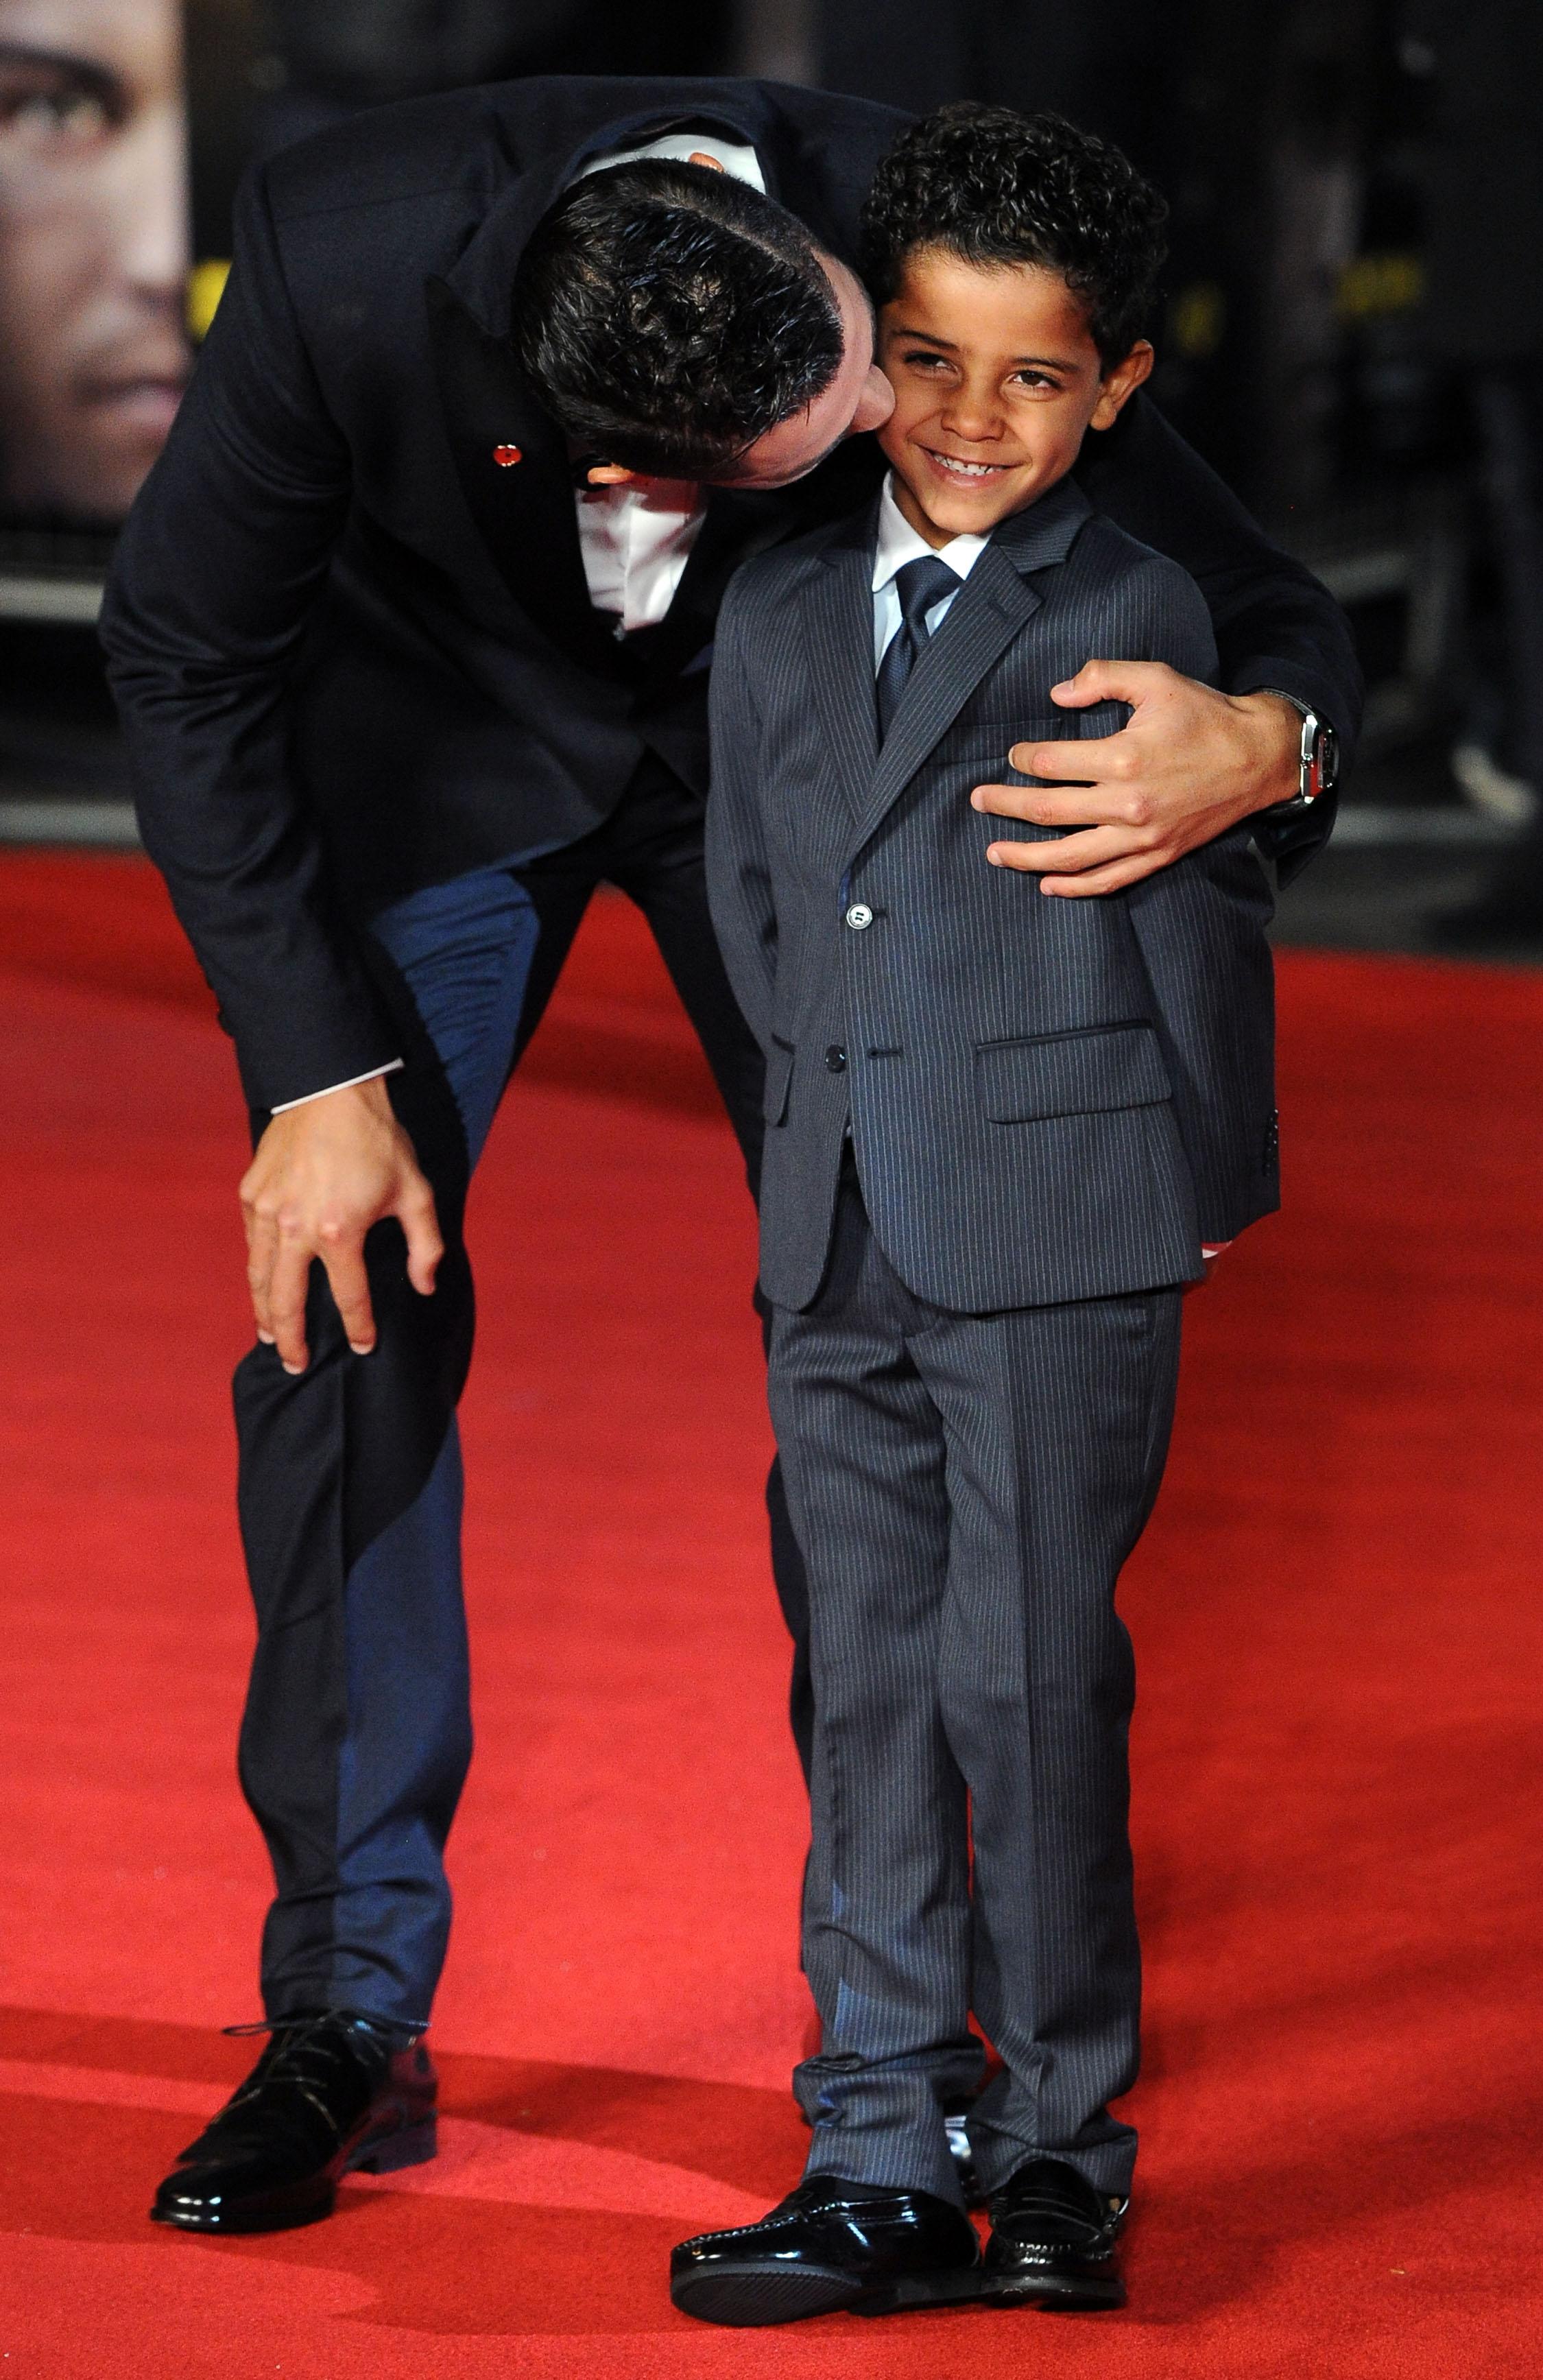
[[965, 1489]]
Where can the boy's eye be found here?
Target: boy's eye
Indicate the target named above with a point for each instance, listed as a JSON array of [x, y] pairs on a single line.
[[1035, 380], [925, 360]]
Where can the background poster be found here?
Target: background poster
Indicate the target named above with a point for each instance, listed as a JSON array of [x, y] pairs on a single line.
[[94, 350]]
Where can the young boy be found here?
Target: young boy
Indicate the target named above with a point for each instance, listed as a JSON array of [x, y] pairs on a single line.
[[1003, 1132]]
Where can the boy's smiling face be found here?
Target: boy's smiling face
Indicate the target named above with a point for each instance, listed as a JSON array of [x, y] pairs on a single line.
[[996, 379]]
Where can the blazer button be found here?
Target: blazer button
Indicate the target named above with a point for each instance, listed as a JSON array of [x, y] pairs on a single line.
[[858, 915], [835, 1058]]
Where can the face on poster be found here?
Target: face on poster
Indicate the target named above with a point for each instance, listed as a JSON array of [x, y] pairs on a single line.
[[93, 251]]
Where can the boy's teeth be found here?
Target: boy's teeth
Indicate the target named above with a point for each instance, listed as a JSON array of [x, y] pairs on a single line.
[[970, 470]]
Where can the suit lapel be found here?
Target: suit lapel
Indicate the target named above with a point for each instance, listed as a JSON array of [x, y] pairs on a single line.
[[838, 629], [981, 623], [736, 527], [996, 603], [524, 511]]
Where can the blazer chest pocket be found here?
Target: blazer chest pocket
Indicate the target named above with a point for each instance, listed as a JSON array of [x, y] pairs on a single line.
[[1070, 1074], [992, 737], [779, 1080]]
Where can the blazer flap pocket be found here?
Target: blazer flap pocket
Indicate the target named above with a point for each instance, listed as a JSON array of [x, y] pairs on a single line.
[[1070, 1074], [779, 1076]]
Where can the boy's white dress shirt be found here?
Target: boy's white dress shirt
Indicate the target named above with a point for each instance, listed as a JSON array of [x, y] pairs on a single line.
[[898, 544]]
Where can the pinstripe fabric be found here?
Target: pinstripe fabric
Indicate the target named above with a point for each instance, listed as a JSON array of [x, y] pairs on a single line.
[[976, 1326], [965, 1489], [993, 1038]]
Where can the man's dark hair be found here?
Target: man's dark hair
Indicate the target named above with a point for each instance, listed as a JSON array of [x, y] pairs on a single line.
[[668, 314], [996, 187]]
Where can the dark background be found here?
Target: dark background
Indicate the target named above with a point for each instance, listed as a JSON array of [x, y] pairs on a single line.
[[1351, 305]]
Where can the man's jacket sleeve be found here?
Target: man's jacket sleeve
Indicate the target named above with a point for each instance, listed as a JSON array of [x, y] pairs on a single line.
[[214, 580], [739, 871], [1275, 624]]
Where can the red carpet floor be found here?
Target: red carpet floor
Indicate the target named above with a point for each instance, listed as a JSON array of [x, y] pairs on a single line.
[[1337, 1755]]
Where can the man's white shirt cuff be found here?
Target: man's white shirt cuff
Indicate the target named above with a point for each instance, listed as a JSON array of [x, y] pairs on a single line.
[[375, 1075]]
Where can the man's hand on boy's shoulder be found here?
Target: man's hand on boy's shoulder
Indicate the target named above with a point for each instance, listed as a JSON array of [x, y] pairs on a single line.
[[1189, 763]]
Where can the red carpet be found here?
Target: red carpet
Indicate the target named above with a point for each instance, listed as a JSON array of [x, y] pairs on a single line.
[[1337, 1757]]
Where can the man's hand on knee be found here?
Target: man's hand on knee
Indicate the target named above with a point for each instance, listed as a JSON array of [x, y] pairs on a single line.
[[1189, 763], [322, 1175]]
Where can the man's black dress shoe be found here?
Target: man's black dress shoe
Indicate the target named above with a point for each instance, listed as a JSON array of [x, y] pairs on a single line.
[[1052, 2239], [331, 2095], [833, 2246]]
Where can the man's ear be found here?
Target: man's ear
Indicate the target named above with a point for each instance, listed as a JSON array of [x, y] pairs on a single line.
[[1120, 385]]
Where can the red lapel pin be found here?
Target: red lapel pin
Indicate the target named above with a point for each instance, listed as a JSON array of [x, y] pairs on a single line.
[[505, 457]]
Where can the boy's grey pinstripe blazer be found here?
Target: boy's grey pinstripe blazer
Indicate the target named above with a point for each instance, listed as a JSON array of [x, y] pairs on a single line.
[[1049, 1098]]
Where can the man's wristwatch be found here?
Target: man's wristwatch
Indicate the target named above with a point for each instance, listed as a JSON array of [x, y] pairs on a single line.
[[1320, 758]]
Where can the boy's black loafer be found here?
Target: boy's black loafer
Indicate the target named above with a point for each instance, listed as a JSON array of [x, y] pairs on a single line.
[[833, 2246], [1054, 2240], [331, 2095]]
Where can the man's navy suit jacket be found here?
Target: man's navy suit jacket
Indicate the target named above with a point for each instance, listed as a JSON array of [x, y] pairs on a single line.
[[355, 656], [1047, 1098]]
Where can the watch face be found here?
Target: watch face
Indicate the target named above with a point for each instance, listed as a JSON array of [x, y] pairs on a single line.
[[1323, 773]]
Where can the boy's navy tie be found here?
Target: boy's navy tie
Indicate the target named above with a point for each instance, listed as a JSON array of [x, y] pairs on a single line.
[[920, 584]]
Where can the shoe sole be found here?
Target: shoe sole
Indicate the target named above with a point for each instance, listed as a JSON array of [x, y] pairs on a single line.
[[754, 2296], [311, 2202], [389, 2152], [1055, 2296]]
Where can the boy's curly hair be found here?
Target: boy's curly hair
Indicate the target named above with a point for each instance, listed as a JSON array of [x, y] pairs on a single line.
[[996, 188]]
